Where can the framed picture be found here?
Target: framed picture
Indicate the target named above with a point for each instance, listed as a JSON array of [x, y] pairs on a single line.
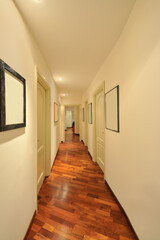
[[55, 112], [112, 109], [83, 115], [90, 113], [12, 98]]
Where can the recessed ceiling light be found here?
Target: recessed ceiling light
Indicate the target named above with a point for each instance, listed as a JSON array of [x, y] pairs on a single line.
[[37, 1], [60, 79], [63, 94]]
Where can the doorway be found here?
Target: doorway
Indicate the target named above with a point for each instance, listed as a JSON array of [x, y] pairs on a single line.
[[43, 131], [69, 116]]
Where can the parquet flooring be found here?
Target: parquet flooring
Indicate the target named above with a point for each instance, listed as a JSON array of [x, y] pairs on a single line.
[[74, 202]]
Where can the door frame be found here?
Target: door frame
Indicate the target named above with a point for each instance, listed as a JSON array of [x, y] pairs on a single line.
[[44, 84], [97, 91]]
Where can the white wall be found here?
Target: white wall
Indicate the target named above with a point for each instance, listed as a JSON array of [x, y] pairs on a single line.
[[18, 147], [133, 155]]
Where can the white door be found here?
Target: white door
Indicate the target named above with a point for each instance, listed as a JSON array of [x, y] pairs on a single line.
[[86, 123], [40, 135], [100, 129]]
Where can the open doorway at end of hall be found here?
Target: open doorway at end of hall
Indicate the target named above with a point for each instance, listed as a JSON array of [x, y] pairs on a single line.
[[71, 120]]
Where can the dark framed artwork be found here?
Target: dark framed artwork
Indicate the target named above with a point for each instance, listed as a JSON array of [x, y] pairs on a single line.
[[112, 109], [83, 115], [55, 112], [90, 113], [12, 98]]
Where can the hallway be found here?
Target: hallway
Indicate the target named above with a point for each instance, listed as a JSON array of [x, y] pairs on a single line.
[[74, 202]]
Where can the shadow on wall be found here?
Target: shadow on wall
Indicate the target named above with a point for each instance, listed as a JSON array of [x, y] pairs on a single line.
[[7, 136]]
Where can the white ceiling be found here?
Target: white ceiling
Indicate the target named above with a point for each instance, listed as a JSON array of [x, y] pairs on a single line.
[[75, 36]]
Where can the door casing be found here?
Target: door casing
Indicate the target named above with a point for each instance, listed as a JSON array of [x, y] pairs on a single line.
[[98, 90], [100, 129], [41, 136], [45, 85]]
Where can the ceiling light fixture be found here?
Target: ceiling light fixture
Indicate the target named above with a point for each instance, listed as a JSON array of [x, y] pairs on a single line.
[[60, 79]]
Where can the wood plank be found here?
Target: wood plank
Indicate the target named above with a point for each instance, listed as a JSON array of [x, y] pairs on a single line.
[[74, 202]]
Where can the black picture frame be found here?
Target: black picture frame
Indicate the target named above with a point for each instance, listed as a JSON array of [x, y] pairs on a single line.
[[90, 113], [56, 112], [5, 71], [83, 115], [112, 109]]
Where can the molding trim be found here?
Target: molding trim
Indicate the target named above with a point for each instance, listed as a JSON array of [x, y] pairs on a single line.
[[55, 159], [39, 80], [123, 211], [82, 141], [30, 225], [90, 155]]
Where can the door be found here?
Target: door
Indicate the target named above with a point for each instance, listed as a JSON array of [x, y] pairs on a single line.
[[86, 123], [100, 129], [41, 113]]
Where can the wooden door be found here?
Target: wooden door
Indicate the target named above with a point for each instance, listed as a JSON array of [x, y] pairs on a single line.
[[41, 113], [100, 130]]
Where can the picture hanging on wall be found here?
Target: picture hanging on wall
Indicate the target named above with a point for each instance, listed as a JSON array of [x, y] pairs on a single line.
[[112, 109], [83, 115], [12, 98], [90, 113], [55, 112]]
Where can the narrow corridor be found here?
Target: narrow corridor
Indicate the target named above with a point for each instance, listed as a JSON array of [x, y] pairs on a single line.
[[74, 202]]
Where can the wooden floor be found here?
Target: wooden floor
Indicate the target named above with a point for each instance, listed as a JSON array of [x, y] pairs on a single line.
[[74, 202]]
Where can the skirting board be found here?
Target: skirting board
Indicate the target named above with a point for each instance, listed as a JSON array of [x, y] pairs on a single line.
[[90, 155], [82, 141], [55, 159], [30, 225], [123, 211]]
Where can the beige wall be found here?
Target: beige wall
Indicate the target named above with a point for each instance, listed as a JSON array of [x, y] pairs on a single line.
[[18, 147], [132, 157], [71, 99]]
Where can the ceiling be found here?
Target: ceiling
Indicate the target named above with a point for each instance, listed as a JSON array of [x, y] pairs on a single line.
[[75, 36]]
